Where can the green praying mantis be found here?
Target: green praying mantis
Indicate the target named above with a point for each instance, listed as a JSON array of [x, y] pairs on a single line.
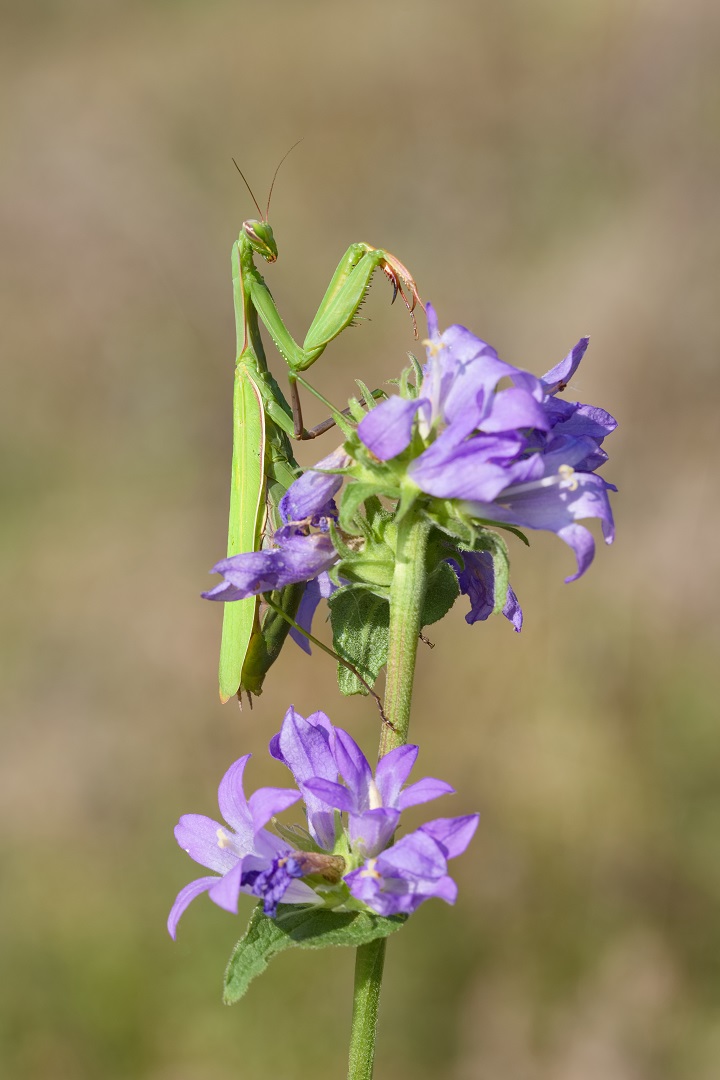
[[263, 466]]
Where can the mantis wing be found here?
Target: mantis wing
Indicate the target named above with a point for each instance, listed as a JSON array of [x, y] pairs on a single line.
[[247, 507]]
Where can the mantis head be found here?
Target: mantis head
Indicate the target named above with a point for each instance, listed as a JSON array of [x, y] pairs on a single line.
[[261, 238], [258, 232]]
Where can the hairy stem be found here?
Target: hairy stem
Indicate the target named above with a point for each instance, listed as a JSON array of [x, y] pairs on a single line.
[[407, 594], [369, 961]]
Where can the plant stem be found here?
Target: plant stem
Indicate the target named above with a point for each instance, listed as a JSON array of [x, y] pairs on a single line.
[[369, 961], [407, 594]]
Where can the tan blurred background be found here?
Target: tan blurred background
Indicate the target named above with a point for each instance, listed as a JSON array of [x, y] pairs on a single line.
[[546, 169]]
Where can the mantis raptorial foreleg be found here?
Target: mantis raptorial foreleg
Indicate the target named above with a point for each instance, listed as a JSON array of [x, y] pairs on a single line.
[[337, 310]]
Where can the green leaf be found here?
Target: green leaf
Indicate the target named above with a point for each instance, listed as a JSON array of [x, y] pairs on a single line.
[[361, 630], [353, 496], [488, 523], [356, 410], [441, 593], [367, 393], [298, 927]]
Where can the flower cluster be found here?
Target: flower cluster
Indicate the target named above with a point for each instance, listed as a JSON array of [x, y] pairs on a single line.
[[478, 445], [346, 855], [514, 456]]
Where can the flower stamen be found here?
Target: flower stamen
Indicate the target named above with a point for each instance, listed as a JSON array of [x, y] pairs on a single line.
[[433, 347], [369, 870], [567, 474]]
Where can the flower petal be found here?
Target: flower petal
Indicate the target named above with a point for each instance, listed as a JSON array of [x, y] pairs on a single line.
[[453, 834], [432, 320], [198, 836], [299, 893], [354, 767], [309, 495], [226, 890], [185, 897], [478, 468], [393, 770], [559, 376], [423, 791], [586, 420], [320, 588], [443, 889], [304, 747], [512, 610], [416, 855], [387, 429], [268, 801], [371, 831], [477, 581], [231, 797], [556, 506], [298, 558], [582, 541], [335, 795], [515, 408]]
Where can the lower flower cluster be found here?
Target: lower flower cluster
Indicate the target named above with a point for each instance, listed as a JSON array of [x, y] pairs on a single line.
[[345, 855]]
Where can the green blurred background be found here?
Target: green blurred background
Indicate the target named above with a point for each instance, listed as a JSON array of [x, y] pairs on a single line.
[[546, 170]]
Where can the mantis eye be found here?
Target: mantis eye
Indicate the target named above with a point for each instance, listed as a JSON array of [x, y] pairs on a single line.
[[260, 235]]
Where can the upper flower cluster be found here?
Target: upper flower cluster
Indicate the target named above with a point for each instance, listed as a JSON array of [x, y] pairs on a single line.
[[346, 855], [514, 456], [476, 444]]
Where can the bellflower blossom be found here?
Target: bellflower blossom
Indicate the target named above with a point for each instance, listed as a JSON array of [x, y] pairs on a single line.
[[518, 455], [356, 864], [477, 581], [301, 550], [316, 753], [310, 500], [241, 853]]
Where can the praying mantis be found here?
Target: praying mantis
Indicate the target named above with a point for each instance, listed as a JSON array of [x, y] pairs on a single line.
[[263, 466]]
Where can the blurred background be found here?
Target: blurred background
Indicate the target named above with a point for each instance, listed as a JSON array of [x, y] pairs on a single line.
[[546, 169]]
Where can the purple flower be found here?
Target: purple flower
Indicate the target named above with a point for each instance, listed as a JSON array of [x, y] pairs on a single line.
[[296, 558], [243, 856], [298, 553], [304, 746], [392, 879], [518, 456], [310, 496], [349, 842], [373, 804], [477, 581], [556, 502], [414, 869], [320, 588], [461, 368]]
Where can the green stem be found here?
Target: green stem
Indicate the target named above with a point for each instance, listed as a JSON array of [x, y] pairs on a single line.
[[407, 594], [369, 961]]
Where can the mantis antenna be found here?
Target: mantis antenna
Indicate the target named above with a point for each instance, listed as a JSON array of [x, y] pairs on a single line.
[[275, 175], [264, 216], [249, 188]]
